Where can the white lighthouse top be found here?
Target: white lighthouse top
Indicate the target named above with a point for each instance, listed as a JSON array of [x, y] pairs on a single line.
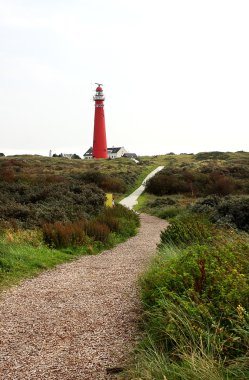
[[99, 93]]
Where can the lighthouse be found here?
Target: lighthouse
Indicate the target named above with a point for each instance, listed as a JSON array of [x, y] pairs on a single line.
[[99, 134]]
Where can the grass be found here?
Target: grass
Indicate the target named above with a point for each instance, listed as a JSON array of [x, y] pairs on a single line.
[[20, 259], [23, 253], [196, 306]]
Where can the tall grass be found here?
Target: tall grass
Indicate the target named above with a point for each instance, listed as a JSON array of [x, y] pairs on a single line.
[[196, 306]]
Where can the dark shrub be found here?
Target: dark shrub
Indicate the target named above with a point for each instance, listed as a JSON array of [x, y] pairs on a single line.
[[104, 181], [35, 204], [76, 157], [219, 184], [202, 156], [237, 210], [166, 184], [232, 211], [161, 202]]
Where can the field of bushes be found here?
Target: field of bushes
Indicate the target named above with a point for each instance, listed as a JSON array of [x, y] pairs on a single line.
[[196, 305], [53, 210], [201, 177], [196, 292]]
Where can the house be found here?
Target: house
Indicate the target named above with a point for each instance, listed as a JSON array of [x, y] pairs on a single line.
[[116, 152], [113, 152], [130, 155], [89, 154]]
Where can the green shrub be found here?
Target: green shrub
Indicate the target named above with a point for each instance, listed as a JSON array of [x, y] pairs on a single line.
[[128, 220], [169, 212], [210, 287], [196, 296], [187, 230]]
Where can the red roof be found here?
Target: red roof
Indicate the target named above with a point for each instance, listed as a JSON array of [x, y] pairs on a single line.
[[99, 89]]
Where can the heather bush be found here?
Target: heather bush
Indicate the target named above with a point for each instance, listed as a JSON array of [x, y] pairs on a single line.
[[62, 235], [161, 202], [219, 184], [166, 184], [31, 205], [97, 230], [111, 221], [202, 156], [232, 210], [104, 181], [182, 181]]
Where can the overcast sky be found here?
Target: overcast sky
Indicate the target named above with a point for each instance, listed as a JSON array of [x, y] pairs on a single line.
[[175, 74]]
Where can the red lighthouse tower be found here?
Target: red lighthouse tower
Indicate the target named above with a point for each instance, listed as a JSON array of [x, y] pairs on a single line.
[[99, 134]]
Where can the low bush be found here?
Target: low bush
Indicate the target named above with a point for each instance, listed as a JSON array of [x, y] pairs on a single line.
[[196, 301], [34, 205], [187, 230], [182, 181], [98, 231], [210, 286], [118, 220], [161, 202], [219, 184], [169, 212], [231, 211], [62, 235], [104, 181], [202, 156], [167, 184]]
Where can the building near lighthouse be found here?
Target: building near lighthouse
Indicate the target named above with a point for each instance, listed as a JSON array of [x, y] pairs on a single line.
[[114, 152], [99, 133]]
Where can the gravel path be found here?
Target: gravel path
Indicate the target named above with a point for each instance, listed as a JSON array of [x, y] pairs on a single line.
[[75, 321]]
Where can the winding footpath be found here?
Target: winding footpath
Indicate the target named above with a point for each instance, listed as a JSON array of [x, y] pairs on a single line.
[[78, 320], [131, 200]]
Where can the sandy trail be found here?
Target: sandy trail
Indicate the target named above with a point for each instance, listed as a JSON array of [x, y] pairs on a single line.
[[78, 319]]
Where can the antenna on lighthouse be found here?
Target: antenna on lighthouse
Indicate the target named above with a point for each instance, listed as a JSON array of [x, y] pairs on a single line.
[[99, 84]]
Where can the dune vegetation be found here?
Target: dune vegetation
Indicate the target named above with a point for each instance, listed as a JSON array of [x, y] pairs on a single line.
[[53, 210], [195, 294]]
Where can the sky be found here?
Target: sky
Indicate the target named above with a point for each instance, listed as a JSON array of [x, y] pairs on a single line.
[[175, 75]]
